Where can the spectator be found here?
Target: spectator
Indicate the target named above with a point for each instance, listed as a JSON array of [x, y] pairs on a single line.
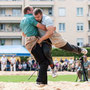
[[19, 66], [8, 65], [61, 60], [3, 63], [34, 66], [66, 60], [13, 63], [86, 66], [57, 66], [71, 61], [64, 66], [28, 65], [33, 61], [17, 63], [55, 61], [73, 67], [24, 66], [0, 65]]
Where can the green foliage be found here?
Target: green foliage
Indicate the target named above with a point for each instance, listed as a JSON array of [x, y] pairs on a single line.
[[59, 52], [24, 59], [88, 48]]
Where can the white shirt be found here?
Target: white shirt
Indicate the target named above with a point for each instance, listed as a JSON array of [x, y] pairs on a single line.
[[30, 61], [47, 21], [13, 60], [4, 60], [55, 62], [71, 61], [24, 65]]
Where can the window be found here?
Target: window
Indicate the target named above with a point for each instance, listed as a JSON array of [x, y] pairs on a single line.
[[50, 11], [2, 27], [16, 42], [79, 11], [2, 12], [16, 12], [15, 27], [89, 40], [89, 27], [79, 26], [61, 0], [80, 42], [61, 27], [62, 12], [2, 42]]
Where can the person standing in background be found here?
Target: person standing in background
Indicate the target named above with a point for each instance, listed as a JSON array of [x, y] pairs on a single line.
[[13, 63], [3, 63]]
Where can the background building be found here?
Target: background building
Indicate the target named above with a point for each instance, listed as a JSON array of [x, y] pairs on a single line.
[[71, 18]]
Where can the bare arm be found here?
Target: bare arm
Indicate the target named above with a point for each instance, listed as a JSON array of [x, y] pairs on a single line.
[[41, 26], [23, 34], [50, 31]]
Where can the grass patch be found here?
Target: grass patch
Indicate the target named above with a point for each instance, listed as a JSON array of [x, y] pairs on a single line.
[[70, 78], [24, 78]]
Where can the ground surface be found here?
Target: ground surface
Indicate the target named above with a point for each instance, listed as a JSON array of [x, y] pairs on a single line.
[[50, 86]]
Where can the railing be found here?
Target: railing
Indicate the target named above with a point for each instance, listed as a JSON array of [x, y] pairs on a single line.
[[13, 15], [7, 30], [41, 0], [10, 0]]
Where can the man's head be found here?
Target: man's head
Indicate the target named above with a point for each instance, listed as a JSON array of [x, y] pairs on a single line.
[[13, 56], [38, 14], [3, 55], [28, 10]]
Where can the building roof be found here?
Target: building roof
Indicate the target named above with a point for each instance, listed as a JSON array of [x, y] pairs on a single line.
[[16, 50]]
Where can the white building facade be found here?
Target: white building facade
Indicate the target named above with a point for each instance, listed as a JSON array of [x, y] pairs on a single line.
[[71, 18]]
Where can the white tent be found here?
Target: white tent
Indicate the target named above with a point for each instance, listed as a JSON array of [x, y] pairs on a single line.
[[16, 50]]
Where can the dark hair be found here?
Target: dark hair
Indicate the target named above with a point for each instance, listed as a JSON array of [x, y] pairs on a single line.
[[37, 11], [25, 9]]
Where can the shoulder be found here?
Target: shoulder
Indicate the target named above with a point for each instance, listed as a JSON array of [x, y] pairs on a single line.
[[45, 17], [32, 18], [47, 21]]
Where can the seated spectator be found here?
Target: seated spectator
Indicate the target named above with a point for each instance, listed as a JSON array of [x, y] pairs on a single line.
[[19, 66], [73, 67], [61, 60], [66, 60], [33, 61], [57, 65], [34, 66], [24, 66], [60, 67], [64, 66], [28, 66], [55, 61], [71, 61], [76, 65]]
